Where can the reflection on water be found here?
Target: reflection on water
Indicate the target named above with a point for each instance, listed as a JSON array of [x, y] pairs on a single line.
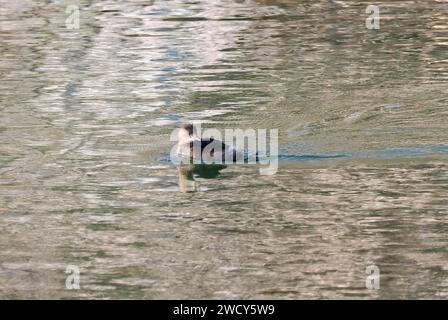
[[192, 172], [87, 115]]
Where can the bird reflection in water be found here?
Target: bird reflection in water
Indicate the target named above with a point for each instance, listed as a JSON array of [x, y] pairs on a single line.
[[188, 173]]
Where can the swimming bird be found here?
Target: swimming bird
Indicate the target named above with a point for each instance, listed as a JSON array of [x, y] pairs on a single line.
[[207, 150]]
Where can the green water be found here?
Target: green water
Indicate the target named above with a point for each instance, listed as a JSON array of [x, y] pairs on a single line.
[[86, 116]]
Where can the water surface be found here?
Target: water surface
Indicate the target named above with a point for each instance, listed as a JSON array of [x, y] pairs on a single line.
[[86, 117]]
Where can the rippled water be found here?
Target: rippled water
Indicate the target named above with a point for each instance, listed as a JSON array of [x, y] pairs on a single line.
[[86, 117]]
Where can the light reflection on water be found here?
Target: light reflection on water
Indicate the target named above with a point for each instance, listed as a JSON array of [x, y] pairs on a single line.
[[86, 119]]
